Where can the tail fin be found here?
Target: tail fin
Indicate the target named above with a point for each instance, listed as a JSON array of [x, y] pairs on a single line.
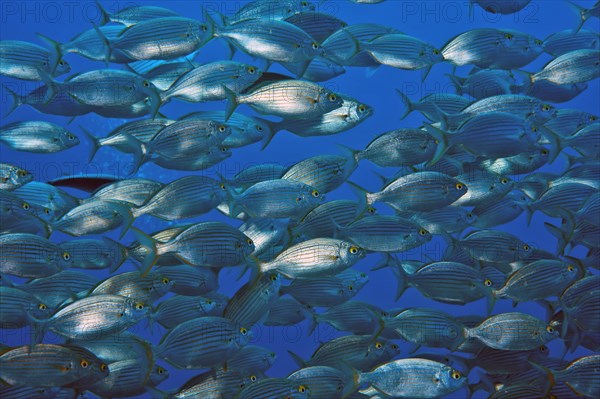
[[150, 244], [581, 12], [549, 373], [128, 218], [408, 105], [363, 198], [107, 45], [273, 127], [297, 359], [232, 103], [457, 82], [561, 237], [351, 153], [57, 51], [104, 15], [443, 142], [94, 141], [556, 143], [16, 101]]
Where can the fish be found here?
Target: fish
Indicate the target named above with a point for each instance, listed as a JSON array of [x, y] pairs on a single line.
[[13, 177], [206, 82], [94, 316], [17, 305], [28, 61], [500, 8], [576, 375], [59, 288], [252, 358], [28, 255], [178, 309], [484, 187], [133, 14], [578, 66], [212, 244], [202, 342], [250, 304], [267, 10], [293, 99], [451, 219], [502, 211], [414, 378], [316, 257], [325, 291], [37, 137], [420, 191], [146, 289], [565, 41], [326, 382], [513, 331], [354, 316], [433, 106], [136, 192], [287, 311], [324, 172], [482, 83], [492, 246], [95, 217], [49, 365], [401, 147], [275, 388]]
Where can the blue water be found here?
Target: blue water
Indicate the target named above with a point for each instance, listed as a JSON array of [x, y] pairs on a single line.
[[432, 21]]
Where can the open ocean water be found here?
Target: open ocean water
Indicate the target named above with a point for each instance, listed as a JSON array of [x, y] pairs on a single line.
[[435, 22]]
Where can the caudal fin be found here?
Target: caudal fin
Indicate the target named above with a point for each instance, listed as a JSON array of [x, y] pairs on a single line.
[[16, 101], [57, 51], [232, 102], [94, 143], [407, 104], [443, 142], [150, 244]]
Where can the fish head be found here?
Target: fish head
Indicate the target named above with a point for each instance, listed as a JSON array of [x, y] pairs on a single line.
[[329, 100], [359, 111], [450, 379], [206, 306], [88, 366], [245, 245], [65, 260], [547, 333], [350, 253], [540, 353], [545, 112], [62, 67], [505, 184], [218, 131], [300, 392], [467, 218], [136, 310], [241, 337], [68, 139], [431, 55], [40, 310], [161, 284], [454, 189], [158, 375], [201, 33], [571, 271], [422, 235], [248, 74], [524, 250], [16, 176], [535, 46]]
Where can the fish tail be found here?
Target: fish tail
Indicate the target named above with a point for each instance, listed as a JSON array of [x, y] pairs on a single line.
[[274, 127], [443, 142], [50, 83], [94, 141], [581, 12], [104, 15], [57, 50], [107, 44], [149, 243], [407, 104], [425, 72], [232, 102], [556, 143], [529, 211], [549, 373], [128, 219], [560, 235], [350, 152], [137, 150], [297, 359], [457, 82], [364, 198], [313, 322], [38, 326], [16, 101]]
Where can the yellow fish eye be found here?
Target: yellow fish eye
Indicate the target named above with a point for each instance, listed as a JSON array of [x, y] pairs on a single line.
[[243, 331], [221, 128], [302, 389], [315, 46], [353, 250], [570, 268], [41, 306], [350, 288], [545, 107], [508, 36], [274, 277], [436, 51], [314, 193], [26, 206], [550, 329], [84, 363], [544, 152], [593, 118], [332, 97], [378, 345], [362, 108], [160, 370], [66, 256], [249, 241], [423, 232], [459, 186], [165, 280], [251, 70], [487, 282], [146, 83], [253, 378], [456, 375], [139, 306], [103, 367], [526, 247], [46, 211], [504, 180], [543, 348], [222, 186]]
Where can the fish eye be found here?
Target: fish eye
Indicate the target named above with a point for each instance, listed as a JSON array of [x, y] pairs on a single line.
[[526, 247], [550, 329], [504, 180], [251, 69], [298, 199], [371, 210], [593, 118], [422, 231], [301, 389], [165, 280], [139, 306], [103, 367], [543, 348], [223, 149], [22, 173], [46, 211], [315, 46], [259, 128], [395, 346], [304, 4], [378, 345], [538, 42], [222, 186], [362, 108], [459, 186], [570, 268], [487, 282], [350, 288], [436, 51], [353, 250], [456, 375], [274, 277], [84, 363], [4, 179], [146, 83], [508, 36], [160, 370], [545, 107], [41, 306], [71, 137], [221, 128], [249, 241], [544, 152], [363, 275], [253, 378], [314, 193], [203, 28], [66, 256], [61, 62], [332, 97], [26, 206], [244, 331]]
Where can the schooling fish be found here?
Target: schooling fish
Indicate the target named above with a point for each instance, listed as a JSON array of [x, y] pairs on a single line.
[[37, 137]]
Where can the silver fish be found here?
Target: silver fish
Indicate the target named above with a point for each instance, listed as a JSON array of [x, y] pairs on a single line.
[[577, 66], [28, 255], [12, 177], [28, 61], [37, 137]]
